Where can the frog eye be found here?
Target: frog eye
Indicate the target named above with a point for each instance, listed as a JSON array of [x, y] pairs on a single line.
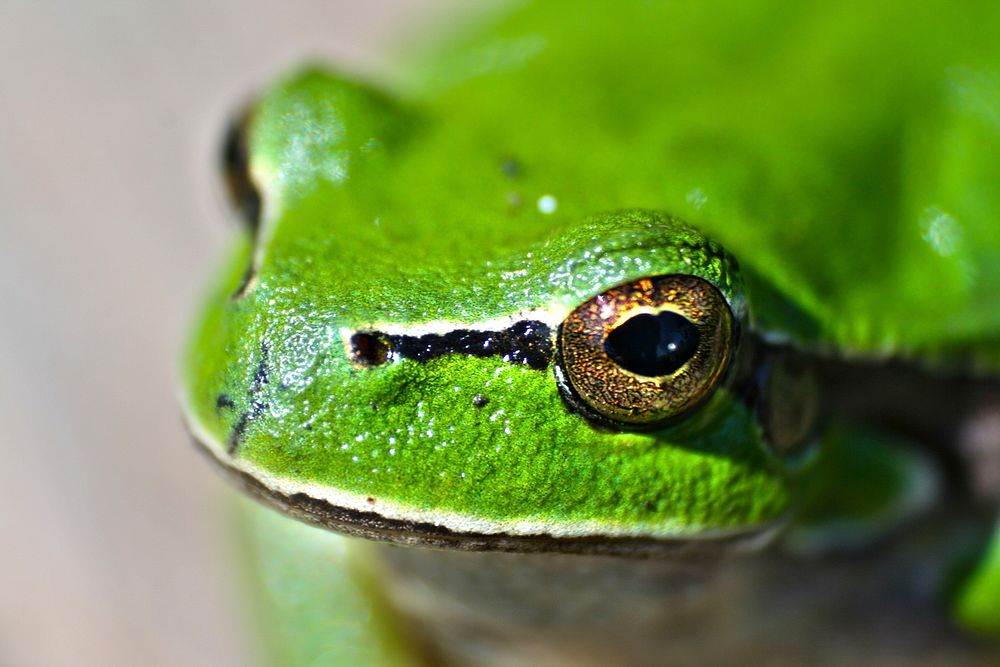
[[645, 352]]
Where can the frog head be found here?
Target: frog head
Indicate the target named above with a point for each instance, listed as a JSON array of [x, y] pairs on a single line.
[[416, 341]]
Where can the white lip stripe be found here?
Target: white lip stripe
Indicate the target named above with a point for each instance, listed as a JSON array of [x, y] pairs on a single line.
[[551, 317], [454, 521]]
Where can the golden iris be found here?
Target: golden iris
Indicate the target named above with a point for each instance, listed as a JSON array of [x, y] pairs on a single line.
[[647, 351]]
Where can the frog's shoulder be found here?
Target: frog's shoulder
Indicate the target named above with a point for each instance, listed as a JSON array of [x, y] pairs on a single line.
[[909, 268]]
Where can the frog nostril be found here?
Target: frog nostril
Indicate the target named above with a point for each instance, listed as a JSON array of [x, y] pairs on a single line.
[[369, 349]]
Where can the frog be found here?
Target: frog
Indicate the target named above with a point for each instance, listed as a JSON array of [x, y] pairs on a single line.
[[670, 344]]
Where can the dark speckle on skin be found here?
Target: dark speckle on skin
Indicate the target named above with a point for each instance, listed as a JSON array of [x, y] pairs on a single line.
[[224, 402], [257, 407], [260, 376], [237, 433], [511, 168], [479, 400]]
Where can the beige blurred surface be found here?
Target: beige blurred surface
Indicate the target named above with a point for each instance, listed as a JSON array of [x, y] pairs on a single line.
[[116, 548]]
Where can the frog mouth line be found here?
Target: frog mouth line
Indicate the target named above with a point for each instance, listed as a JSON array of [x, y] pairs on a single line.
[[374, 526]]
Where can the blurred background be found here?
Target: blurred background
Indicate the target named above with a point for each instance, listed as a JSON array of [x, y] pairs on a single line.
[[116, 545]]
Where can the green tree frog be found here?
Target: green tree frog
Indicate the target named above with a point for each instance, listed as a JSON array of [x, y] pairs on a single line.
[[634, 333]]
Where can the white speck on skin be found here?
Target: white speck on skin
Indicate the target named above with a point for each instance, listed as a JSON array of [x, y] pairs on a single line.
[[547, 204], [940, 230], [696, 198], [510, 275]]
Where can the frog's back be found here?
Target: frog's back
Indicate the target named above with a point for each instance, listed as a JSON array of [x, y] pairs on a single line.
[[847, 155]]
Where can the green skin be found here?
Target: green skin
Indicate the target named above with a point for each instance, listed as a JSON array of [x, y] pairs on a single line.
[[851, 170]]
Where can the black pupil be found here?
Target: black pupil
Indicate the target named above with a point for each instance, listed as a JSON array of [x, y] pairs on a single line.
[[653, 345]]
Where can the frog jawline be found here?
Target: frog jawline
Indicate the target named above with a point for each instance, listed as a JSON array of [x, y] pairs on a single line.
[[371, 525]]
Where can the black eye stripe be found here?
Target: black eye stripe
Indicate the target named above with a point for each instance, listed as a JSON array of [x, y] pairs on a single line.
[[528, 342]]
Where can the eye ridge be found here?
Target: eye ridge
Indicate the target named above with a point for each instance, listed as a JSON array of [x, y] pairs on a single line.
[[653, 345]]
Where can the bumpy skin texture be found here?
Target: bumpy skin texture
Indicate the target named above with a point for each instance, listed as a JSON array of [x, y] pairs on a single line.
[[847, 155], [408, 435]]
